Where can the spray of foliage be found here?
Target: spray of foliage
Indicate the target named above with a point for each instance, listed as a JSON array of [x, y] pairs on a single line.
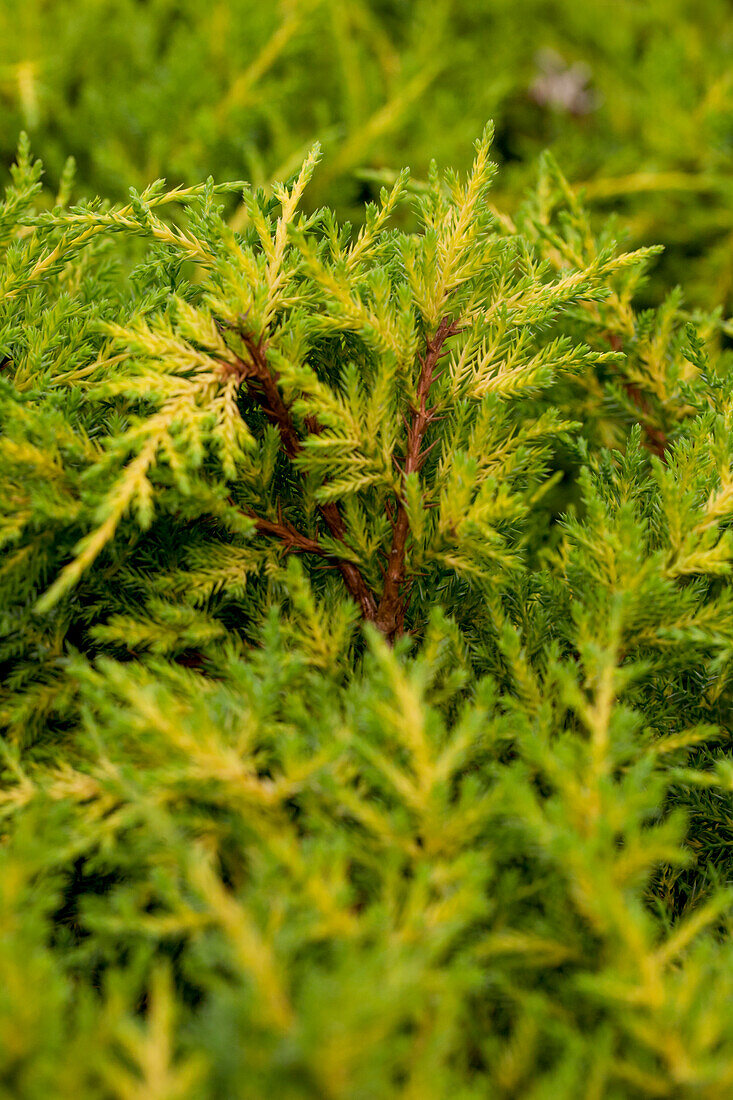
[[366, 641], [636, 99]]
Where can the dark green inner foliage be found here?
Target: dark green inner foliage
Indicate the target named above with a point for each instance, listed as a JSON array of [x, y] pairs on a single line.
[[366, 628]]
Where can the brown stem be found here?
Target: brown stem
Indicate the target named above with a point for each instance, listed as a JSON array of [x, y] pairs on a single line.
[[292, 539], [391, 612], [261, 380], [351, 574]]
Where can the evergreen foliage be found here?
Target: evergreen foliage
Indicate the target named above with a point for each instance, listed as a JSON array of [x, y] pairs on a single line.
[[366, 643], [635, 98]]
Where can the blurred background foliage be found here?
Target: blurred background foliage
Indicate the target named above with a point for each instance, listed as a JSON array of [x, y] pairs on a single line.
[[635, 97]]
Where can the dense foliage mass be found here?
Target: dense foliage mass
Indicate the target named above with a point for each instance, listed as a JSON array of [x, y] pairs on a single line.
[[634, 96], [366, 641]]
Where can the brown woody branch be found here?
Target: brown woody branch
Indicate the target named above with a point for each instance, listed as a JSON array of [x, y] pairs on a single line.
[[261, 381], [293, 540], [297, 543], [391, 612]]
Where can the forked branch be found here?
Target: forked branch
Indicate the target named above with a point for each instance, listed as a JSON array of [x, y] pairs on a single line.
[[262, 385], [261, 380]]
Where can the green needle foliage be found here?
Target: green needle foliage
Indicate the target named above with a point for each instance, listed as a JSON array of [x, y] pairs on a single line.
[[366, 640]]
